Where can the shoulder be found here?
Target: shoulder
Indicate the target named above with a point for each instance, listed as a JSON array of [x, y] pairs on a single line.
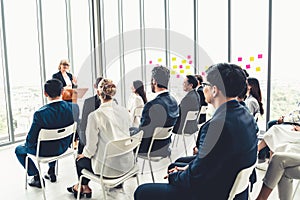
[[56, 74]]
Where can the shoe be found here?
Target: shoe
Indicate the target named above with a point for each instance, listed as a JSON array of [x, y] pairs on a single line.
[[262, 166], [82, 194], [35, 182], [51, 177]]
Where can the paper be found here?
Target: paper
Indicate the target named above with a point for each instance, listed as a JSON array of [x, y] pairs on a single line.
[[173, 72], [183, 61], [248, 66], [259, 56], [240, 59], [251, 58], [159, 59], [188, 67], [258, 69], [178, 76], [174, 59], [190, 62], [175, 66], [181, 71], [180, 66], [189, 56], [150, 62]]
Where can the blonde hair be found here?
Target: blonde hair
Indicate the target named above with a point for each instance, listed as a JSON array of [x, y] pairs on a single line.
[[63, 62], [107, 88]]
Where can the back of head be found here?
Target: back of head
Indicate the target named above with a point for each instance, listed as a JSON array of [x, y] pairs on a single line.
[[98, 81], [107, 89], [229, 78], [256, 92], [199, 78], [140, 90], [192, 80], [53, 87], [162, 76]]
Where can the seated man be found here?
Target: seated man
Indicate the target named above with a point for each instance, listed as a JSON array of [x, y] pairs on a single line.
[[199, 89], [190, 102], [228, 143], [160, 112], [56, 114]]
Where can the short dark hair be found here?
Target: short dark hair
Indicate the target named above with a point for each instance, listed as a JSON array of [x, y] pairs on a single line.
[[162, 76], [98, 81], [199, 78], [229, 78], [53, 87], [192, 80]]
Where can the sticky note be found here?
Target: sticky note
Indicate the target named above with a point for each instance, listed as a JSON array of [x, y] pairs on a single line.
[[203, 73], [206, 67], [173, 72], [159, 60], [175, 66], [248, 66], [189, 56], [259, 56], [174, 59], [257, 69], [180, 66], [252, 58], [181, 71], [240, 59], [190, 62], [183, 61], [150, 62], [189, 73], [178, 76], [188, 67]]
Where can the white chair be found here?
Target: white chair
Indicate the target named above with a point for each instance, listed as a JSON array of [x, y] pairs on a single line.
[[296, 188], [113, 149], [190, 116], [203, 111], [50, 135], [160, 133], [137, 116], [241, 182]]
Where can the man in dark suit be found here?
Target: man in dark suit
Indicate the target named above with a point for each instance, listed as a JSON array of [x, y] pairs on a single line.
[[90, 104], [56, 114], [202, 117], [228, 143], [190, 102], [160, 112]]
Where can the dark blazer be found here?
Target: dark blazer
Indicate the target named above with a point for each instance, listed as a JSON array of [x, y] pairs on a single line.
[[190, 102], [202, 103], [228, 144], [60, 77], [90, 104], [51, 116], [160, 112]]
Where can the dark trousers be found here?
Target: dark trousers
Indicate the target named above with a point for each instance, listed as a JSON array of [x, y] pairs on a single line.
[[181, 162], [21, 153], [84, 163]]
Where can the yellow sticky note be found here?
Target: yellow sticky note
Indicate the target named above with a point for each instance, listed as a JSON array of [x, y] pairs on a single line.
[[159, 60], [258, 68], [173, 72], [175, 66], [188, 67], [174, 59], [183, 61], [252, 58], [181, 71], [189, 73], [206, 67]]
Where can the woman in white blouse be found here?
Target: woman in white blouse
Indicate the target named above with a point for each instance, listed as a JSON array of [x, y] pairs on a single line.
[[136, 102], [254, 98], [109, 122]]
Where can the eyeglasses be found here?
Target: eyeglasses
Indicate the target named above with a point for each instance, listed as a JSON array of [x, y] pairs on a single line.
[[65, 64], [206, 84]]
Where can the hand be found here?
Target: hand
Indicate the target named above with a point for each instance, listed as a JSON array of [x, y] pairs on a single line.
[[296, 128], [74, 80], [176, 169], [195, 150], [280, 120], [79, 156]]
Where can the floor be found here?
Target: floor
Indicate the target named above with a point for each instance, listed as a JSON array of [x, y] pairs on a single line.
[[13, 178]]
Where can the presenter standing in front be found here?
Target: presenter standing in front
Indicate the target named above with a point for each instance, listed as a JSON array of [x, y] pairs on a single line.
[[68, 80]]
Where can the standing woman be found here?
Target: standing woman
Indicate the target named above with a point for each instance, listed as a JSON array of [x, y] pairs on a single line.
[[68, 80], [254, 99], [136, 102]]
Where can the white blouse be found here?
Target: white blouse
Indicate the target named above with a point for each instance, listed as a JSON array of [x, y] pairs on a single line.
[[135, 106], [252, 105], [109, 122]]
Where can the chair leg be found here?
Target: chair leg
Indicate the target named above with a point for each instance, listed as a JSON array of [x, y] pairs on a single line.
[[56, 166], [137, 179], [26, 170], [103, 190], [151, 171], [79, 188], [41, 180], [184, 144], [174, 138], [296, 188], [143, 167]]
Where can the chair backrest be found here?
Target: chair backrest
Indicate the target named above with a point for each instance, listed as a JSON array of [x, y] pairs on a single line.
[[241, 182], [137, 116], [190, 116], [202, 111], [161, 133]]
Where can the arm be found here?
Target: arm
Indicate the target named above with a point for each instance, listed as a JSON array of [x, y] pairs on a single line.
[[92, 132], [32, 136]]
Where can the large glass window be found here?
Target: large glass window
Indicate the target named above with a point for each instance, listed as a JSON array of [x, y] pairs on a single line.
[[250, 42], [285, 80], [3, 117], [23, 63]]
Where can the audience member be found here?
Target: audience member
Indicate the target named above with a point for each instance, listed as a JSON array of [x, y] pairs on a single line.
[[136, 101], [190, 102], [90, 104], [228, 144], [162, 111], [202, 97], [56, 114], [109, 122], [254, 98], [283, 168], [67, 79]]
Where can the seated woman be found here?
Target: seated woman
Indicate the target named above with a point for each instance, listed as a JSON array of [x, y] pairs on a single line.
[[109, 122], [137, 100], [283, 168], [254, 98]]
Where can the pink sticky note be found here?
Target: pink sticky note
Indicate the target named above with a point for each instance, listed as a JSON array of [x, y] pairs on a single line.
[[203, 73], [240, 59], [178, 76], [190, 62], [180, 66], [248, 66], [189, 57], [150, 62], [259, 56]]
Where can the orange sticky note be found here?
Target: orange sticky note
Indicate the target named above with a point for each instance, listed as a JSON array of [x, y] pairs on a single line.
[[258, 69], [252, 58]]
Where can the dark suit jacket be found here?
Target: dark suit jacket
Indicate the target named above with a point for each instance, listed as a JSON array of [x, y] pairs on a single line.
[[51, 116], [191, 102], [160, 112], [89, 105], [229, 144], [202, 103], [60, 77]]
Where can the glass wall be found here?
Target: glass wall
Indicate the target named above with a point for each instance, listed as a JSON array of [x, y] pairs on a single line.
[[4, 136]]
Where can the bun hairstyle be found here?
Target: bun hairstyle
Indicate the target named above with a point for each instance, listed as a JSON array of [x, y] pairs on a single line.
[[107, 89]]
